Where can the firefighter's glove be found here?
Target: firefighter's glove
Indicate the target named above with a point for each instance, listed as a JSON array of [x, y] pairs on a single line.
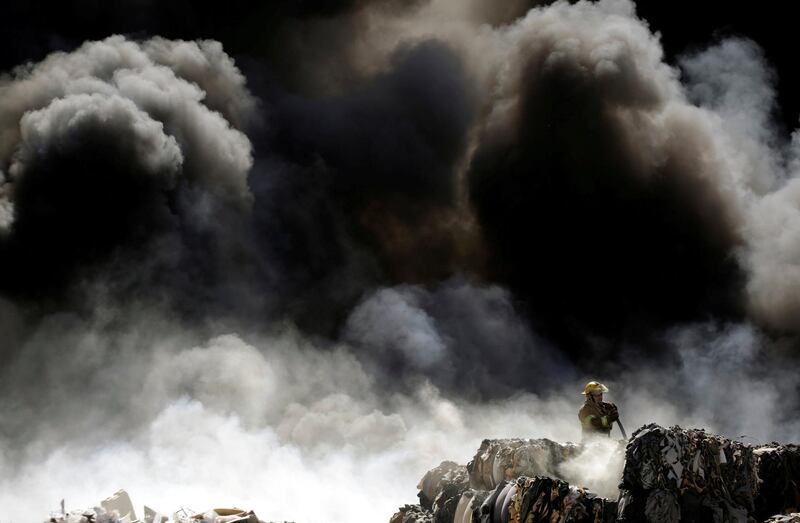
[[612, 412]]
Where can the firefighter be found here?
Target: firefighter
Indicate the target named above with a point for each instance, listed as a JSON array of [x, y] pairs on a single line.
[[596, 415]]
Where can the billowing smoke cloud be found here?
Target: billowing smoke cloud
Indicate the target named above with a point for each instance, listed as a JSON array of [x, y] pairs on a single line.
[[734, 81], [116, 146], [410, 226], [601, 182], [359, 188]]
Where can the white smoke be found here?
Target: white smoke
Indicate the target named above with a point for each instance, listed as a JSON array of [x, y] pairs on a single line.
[[395, 311], [63, 119], [292, 430], [301, 431]]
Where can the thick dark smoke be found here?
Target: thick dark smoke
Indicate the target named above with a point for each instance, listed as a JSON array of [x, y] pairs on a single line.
[[370, 180], [343, 240], [122, 151], [596, 195]]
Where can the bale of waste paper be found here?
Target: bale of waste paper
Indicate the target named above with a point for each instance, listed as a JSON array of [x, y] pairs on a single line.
[[448, 475], [500, 460], [672, 475], [541, 498], [469, 506]]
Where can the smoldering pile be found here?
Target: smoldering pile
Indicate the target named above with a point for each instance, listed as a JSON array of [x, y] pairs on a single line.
[[502, 460], [670, 475], [118, 508], [506, 481]]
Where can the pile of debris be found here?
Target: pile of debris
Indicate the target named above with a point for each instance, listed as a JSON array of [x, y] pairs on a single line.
[[524, 500], [500, 460], [676, 475], [670, 475], [119, 509], [672, 472], [452, 492]]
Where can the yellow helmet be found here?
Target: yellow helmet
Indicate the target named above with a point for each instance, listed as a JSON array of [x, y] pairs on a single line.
[[594, 387]]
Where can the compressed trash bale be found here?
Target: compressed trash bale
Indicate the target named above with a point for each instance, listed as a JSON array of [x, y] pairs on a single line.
[[670, 475], [778, 469], [499, 460], [462, 508], [501, 505], [711, 478], [547, 499], [486, 511], [436, 479], [468, 509], [446, 502]]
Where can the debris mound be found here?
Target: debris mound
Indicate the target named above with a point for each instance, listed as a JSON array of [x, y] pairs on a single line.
[[118, 508], [671, 475]]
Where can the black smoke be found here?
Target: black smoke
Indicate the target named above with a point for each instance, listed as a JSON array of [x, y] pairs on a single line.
[[354, 186], [597, 242], [402, 174], [357, 232]]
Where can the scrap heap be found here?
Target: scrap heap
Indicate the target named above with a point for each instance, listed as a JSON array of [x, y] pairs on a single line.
[[118, 508], [676, 475], [671, 475]]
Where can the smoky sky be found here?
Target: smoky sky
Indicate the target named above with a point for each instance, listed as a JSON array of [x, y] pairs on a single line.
[[193, 162], [364, 234]]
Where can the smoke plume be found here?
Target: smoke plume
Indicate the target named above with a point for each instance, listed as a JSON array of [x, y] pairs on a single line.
[[291, 257]]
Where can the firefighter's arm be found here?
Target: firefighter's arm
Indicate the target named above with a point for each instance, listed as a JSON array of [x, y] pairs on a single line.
[[610, 410]]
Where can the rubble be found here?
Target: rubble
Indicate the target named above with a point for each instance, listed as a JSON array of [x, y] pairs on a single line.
[[670, 475], [120, 503], [118, 508]]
